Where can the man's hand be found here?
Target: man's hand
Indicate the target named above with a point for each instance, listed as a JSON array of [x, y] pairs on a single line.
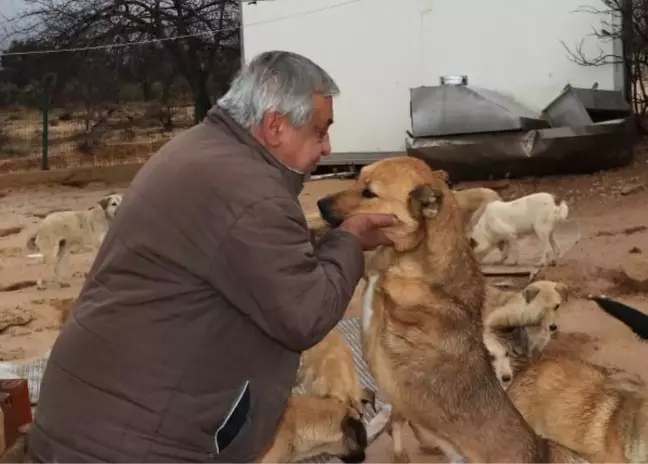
[[367, 228]]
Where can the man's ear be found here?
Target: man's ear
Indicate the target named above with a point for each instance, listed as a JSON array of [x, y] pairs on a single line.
[[425, 201], [272, 127]]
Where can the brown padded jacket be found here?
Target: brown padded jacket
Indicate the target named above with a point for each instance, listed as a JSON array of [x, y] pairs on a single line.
[[206, 280]]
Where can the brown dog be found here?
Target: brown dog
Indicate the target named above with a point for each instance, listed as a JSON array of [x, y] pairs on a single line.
[[328, 370], [311, 426], [422, 327], [601, 415]]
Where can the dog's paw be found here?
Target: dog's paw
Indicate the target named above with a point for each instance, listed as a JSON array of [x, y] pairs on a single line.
[[402, 457]]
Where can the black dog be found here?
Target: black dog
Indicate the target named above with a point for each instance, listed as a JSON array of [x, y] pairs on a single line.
[[634, 319]]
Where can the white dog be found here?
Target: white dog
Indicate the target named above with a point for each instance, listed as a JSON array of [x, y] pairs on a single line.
[[472, 202], [503, 222], [58, 231]]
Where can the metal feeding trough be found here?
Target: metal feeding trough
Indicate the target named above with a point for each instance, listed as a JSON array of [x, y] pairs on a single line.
[[477, 134]]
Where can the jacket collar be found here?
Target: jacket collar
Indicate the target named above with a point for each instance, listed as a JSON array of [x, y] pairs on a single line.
[[294, 179]]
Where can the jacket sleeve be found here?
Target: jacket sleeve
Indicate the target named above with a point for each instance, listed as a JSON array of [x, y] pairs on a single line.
[[268, 269]]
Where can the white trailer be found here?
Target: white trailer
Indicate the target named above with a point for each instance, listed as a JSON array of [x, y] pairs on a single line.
[[377, 50]]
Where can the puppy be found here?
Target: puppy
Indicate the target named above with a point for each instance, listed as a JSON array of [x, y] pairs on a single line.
[[518, 330], [542, 297], [58, 231], [328, 370], [503, 222], [311, 426], [472, 202], [422, 328]]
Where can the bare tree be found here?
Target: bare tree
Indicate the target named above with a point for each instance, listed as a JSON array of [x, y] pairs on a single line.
[[627, 21], [201, 37]]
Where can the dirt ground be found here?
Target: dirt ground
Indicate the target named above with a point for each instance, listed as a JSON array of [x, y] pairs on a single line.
[[610, 207]]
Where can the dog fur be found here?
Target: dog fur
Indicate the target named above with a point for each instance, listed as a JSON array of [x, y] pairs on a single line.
[[599, 414], [328, 370], [472, 202], [424, 341], [311, 426], [58, 231], [502, 223]]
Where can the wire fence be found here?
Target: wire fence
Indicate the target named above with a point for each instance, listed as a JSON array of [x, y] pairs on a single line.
[[75, 137]]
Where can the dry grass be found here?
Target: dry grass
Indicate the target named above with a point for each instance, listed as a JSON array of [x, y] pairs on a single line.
[[122, 135]]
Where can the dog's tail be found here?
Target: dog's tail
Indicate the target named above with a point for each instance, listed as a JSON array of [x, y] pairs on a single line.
[[31, 242], [632, 318], [562, 210]]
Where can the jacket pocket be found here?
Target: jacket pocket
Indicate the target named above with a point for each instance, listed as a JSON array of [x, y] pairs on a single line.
[[234, 426]]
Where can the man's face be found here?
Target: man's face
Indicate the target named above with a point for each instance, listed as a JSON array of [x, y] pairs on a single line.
[[299, 149]]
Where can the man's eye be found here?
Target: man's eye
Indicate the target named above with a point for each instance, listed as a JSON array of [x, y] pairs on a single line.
[[366, 193]]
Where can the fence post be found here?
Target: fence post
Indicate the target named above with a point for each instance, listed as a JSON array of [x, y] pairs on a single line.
[[45, 140]]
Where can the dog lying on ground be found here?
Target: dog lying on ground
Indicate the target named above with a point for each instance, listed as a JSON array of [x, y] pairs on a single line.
[[520, 325], [422, 328], [601, 415], [328, 418], [328, 370], [59, 231], [597, 412], [502, 223], [311, 426], [472, 200]]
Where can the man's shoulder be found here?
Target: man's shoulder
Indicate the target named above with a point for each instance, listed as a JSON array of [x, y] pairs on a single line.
[[214, 164]]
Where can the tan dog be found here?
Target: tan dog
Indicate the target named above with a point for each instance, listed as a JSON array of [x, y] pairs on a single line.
[[311, 426], [601, 415], [472, 202], [328, 370], [540, 299], [422, 328]]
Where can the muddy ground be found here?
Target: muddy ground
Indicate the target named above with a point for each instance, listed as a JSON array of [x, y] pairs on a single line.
[[611, 208]]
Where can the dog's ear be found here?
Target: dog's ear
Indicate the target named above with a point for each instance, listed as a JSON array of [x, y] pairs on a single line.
[[563, 290], [530, 293], [104, 202], [443, 175], [425, 201]]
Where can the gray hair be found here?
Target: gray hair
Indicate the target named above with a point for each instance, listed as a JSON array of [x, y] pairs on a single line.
[[276, 81]]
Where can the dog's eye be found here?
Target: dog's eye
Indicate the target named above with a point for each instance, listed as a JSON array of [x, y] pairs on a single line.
[[506, 355], [366, 193]]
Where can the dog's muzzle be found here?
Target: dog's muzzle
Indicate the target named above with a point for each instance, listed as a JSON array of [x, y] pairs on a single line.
[[325, 206]]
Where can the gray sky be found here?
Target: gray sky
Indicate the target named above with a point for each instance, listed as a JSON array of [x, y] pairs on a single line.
[[8, 8]]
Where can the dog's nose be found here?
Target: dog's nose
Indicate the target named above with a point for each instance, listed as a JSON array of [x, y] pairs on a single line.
[[325, 206], [506, 378], [553, 327]]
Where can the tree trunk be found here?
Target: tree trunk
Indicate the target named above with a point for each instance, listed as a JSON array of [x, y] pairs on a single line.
[[202, 102]]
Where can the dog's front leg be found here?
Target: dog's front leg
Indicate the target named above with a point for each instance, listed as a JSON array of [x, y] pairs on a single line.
[[514, 246], [397, 428]]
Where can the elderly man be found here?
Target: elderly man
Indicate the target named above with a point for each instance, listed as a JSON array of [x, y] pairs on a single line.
[[186, 337]]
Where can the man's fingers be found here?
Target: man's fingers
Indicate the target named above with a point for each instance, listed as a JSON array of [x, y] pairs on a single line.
[[382, 220]]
